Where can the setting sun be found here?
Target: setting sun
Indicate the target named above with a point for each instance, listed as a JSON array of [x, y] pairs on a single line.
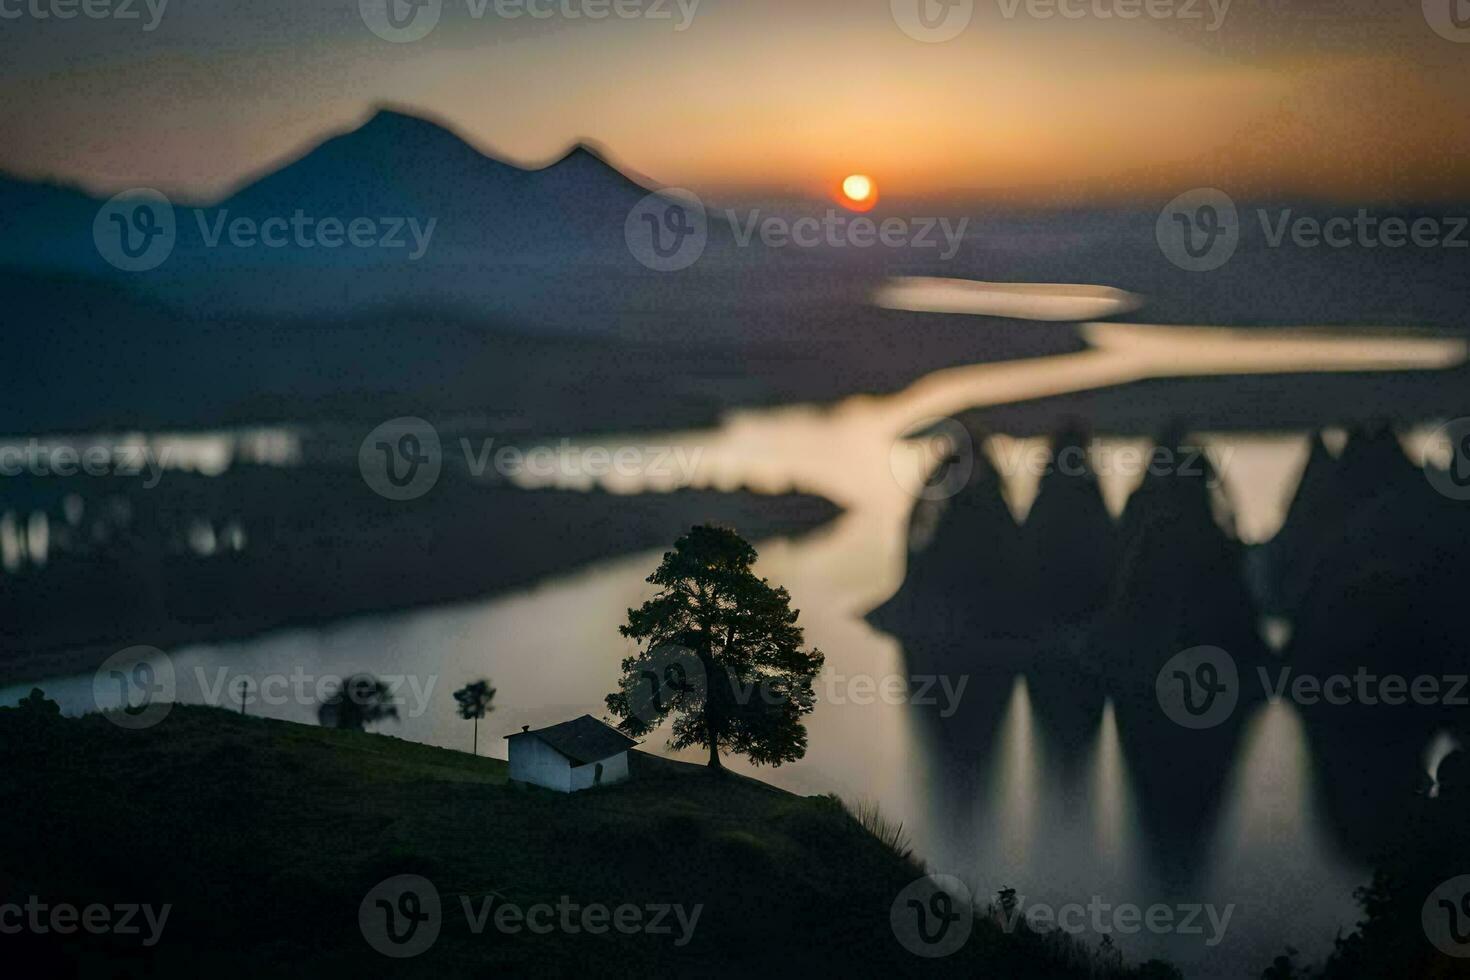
[[859, 192]]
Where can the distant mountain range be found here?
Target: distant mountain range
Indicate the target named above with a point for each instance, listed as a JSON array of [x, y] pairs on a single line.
[[429, 277]]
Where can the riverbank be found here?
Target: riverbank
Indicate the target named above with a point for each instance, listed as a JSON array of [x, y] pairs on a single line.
[[315, 544]]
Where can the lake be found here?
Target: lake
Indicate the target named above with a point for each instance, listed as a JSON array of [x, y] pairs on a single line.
[[1000, 776]]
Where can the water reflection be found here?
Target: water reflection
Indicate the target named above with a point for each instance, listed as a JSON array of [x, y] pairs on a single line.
[[1058, 776]]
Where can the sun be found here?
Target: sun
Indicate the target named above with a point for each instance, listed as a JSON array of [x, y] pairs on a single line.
[[859, 193]]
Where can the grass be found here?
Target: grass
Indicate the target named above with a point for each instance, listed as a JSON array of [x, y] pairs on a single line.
[[891, 835], [265, 836]]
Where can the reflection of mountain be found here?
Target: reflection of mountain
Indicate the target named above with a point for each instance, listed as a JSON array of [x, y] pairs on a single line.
[[1366, 569], [1181, 580], [1377, 567], [962, 542], [1069, 540]]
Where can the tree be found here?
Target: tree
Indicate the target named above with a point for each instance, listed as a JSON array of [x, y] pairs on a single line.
[[38, 705], [720, 649], [474, 701], [360, 701]]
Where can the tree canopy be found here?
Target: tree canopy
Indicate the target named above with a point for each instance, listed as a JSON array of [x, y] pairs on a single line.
[[720, 649]]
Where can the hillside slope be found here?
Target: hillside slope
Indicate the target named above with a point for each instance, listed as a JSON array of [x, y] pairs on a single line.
[[266, 837]]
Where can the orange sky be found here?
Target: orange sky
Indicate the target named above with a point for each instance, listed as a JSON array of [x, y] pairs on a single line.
[[1350, 99]]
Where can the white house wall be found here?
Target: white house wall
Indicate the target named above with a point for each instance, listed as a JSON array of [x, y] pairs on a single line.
[[614, 770], [533, 761]]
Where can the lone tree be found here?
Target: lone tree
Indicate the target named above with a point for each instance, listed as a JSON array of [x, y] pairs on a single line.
[[720, 649], [361, 700], [474, 701]]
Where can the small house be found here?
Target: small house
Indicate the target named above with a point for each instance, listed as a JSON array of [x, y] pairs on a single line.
[[571, 756]]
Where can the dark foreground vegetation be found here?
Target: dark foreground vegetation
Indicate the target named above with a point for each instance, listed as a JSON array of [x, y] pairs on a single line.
[[266, 836]]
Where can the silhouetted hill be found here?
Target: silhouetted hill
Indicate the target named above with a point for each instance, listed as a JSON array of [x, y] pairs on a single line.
[[277, 833]]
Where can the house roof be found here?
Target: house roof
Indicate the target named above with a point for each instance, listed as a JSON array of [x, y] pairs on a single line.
[[582, 740]]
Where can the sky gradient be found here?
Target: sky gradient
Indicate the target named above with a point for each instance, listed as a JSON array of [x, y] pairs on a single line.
[[1354, 100]]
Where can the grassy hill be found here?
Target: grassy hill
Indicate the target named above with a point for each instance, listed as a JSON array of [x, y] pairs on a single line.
[[266, 836]]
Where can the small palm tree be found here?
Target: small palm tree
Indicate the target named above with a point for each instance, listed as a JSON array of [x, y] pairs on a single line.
[[474, 701]]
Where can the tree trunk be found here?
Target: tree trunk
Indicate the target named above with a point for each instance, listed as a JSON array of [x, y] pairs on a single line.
[[475, 745], [714, 744]]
